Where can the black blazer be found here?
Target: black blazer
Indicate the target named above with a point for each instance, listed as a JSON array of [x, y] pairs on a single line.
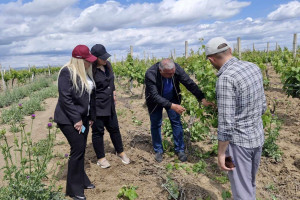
[[154, 87], [71, 107], [105, 87]]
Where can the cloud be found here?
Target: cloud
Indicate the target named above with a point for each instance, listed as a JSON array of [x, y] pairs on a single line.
[[113, 15], [156, 28], [286, 11], [20, 21], [36, 7]]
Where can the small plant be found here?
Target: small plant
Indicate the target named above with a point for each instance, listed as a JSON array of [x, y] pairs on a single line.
[[272, 126], [168, 147], [226, 195], [167, 128], [128, 192], [222, 179], [199, 167], [121, 112], [271, 187], [136, 121], [14, 128], [172, 187], [169, 167]]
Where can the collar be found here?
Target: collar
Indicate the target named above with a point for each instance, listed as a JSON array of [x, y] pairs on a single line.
[[226, 65]]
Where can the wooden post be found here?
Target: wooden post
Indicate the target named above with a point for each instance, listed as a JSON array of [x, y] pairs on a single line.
[[2, 77], [131, 50], [144, 56], [276, 48], [186, 49], [174, 55], [295, 45], [268, 45], [239, 47], [253, 47], [115, 59]]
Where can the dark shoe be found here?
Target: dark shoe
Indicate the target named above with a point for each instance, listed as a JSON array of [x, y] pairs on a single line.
[[91, 186], [77, 197], [182, 157], [158, 157]]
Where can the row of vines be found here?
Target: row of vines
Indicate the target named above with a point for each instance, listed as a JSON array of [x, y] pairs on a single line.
[[11, 76]]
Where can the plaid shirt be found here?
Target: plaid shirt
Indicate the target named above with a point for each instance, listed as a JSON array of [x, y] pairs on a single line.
[[241, 103]]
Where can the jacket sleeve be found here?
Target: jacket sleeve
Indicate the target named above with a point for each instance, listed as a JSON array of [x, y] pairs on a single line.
[[113, 75], [154, 95], [92, 113], [189, 83], [65, 96]]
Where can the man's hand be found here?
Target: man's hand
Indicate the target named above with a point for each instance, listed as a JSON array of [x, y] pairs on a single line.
[[222, 146], [177, 108], [221, 163], [78, 126], [207, 103]]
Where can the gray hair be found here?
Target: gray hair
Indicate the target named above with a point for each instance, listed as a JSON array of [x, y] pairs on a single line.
[[166, 63]]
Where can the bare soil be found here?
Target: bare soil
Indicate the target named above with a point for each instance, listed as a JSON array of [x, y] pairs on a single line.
[[274, 179]]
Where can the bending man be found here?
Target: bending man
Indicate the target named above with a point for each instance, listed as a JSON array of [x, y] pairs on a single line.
[[163, 91]]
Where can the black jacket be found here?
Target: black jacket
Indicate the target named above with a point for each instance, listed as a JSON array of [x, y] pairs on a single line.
[[71, 107], [105, 87], [154, 87]]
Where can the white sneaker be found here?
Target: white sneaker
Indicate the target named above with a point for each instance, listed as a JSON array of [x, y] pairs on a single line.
[[124, 159], [103, 164]]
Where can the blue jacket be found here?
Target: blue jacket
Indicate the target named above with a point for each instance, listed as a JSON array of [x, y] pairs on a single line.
[[154, 87]]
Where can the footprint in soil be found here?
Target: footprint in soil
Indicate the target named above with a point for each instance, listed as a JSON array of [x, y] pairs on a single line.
[[297, 163], [142, 142]]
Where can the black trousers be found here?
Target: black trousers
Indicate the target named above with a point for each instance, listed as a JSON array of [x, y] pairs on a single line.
[[112, 126], [76, 178]]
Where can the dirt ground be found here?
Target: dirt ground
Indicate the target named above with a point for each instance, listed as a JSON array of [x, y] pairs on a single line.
[[274, 180]]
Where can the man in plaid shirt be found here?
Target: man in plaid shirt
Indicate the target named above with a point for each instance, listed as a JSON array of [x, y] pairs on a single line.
[[241, 103]]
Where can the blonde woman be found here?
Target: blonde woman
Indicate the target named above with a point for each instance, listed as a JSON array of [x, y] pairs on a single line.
[[74, 116]]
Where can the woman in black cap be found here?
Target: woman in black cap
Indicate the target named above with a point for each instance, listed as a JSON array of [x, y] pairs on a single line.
[[105, 108], [73, 115]]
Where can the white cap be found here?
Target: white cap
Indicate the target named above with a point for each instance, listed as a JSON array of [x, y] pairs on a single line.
[[212, 46]]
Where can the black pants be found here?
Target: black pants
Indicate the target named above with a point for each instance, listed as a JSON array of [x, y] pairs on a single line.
[[76, 178], [112, 126]]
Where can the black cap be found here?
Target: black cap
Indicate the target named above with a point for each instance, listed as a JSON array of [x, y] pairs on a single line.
[[99, 51]]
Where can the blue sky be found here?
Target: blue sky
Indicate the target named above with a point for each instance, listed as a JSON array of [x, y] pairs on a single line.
[[42, 32]]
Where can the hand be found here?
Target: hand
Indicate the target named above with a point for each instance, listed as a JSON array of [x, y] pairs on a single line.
[[78, 126], [221, 163], [207, 103], [177, 108], [91, 123]]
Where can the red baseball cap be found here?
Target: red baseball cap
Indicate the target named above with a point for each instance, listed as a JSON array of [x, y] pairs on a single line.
[[83, 52]]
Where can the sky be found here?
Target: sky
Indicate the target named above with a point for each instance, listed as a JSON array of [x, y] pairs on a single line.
[[44, 32]]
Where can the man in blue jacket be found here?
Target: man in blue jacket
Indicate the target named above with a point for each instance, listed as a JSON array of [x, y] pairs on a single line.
[[163, 91]]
